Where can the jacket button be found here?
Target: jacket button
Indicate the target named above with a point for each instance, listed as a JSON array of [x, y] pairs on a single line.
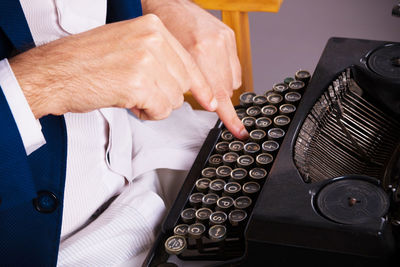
[[46, 202]]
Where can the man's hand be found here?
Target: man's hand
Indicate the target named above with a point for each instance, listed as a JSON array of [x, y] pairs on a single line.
[[135, 64], [213, 47]]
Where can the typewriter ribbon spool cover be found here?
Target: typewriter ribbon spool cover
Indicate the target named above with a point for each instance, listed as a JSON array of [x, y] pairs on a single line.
[[332, 192]]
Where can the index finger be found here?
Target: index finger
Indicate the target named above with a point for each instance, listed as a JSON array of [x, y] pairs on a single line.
[[228, 116]]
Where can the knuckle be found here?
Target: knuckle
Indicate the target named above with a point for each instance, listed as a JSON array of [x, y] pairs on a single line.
[[186, 84], [163, 114], [230, 32], [220, 38], [230, 35], [145, 58], [175, 96], [238, 82], [135, 82], [152, 19], [155, 38], [178, 101]]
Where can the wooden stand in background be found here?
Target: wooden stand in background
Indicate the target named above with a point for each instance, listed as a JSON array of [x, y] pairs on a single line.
[[234, 13]]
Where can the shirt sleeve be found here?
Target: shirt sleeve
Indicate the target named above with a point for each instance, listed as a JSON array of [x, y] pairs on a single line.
[[28, 127]]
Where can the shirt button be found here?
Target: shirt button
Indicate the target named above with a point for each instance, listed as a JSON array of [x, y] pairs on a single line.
[[46, 202]]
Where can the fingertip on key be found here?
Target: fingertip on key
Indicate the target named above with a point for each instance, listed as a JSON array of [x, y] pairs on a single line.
[[243, 134]]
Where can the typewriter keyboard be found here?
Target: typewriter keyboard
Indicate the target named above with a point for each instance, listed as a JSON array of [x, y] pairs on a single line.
[[211, 224]]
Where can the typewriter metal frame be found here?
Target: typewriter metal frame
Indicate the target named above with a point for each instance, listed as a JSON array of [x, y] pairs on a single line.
[[284, 224]]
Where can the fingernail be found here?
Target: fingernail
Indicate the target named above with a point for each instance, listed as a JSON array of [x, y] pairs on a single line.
[[243, 133], [213, 104]]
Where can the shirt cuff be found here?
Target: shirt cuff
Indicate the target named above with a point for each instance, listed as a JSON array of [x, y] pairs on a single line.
[[29, 128]]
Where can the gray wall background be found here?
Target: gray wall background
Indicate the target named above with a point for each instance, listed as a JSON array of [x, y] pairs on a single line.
[[294, 38]]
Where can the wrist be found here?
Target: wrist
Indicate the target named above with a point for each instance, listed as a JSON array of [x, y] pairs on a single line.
[[35, 85]]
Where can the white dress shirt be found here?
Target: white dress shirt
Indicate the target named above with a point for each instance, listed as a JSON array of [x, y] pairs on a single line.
[[110, 153]]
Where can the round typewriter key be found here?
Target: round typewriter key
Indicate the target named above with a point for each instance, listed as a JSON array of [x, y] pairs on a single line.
[[224, 203], [175, 244], [232, 189], [280, 88], [215, 160], [218, 218], [260, 100], [257, 135], [246, 99], [297, 86], [202, 184], [287, 80], [258, 174], [251, 148], [253, 111], [181, 229], [202, 215], [270, 146], [227, 136], [217, 233], [210, 200], [223, 172], [242, 202], [196, 230], [216, 186], [281, 121], [268, 92], [250, 189], [195, 199], [229, 159], [287, 109], [269, 110], [276, 134], [236, 146], [222, 147], [249, 123], [237, 217], [188, 215], [241, 113], [303, 76], [238, 175], [264, 160], [274, 99], [209, 172], [292, 98], [245, 161], [263, 123]]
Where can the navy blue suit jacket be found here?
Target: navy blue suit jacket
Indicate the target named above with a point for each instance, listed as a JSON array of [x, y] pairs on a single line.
[[32, 187]]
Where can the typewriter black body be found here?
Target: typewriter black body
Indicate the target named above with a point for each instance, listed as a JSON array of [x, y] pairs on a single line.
[[332, 193]]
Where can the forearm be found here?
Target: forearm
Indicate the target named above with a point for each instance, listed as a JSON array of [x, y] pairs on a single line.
[[115, 65], [36, 81]]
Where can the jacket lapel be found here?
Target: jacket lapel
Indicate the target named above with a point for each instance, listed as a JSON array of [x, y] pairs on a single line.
[[14, 25]]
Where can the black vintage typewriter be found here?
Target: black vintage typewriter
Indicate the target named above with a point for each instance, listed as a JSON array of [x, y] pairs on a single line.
[[317, 182]]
